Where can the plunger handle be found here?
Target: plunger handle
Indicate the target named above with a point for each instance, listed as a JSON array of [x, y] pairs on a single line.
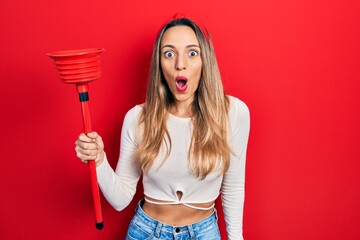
[[83, 90]]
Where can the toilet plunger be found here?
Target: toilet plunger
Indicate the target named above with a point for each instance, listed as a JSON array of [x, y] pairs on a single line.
[[80, 67]]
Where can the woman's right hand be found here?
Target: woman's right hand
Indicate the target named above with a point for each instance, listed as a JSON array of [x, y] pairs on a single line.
[[90, 147]]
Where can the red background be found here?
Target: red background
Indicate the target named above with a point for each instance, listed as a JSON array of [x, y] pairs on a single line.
[[295, 63]]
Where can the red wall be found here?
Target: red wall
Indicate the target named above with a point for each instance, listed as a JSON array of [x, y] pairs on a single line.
[[295, 63]]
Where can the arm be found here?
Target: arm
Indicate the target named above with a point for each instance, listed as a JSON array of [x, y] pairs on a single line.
[[233, 186], [119, 186]]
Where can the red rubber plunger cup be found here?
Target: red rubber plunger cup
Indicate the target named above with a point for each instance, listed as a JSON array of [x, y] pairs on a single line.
[[80, 67]]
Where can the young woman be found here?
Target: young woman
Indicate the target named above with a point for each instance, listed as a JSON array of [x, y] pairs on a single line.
[[188, 140]]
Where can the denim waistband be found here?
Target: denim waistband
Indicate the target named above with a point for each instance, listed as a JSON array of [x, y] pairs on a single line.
[[153, 223]]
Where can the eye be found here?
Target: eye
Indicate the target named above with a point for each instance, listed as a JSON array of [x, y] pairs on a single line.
[[169, 54], [193, 53]]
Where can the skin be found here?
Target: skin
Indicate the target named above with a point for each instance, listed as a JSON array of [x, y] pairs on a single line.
[[180, 56], [90, 147]]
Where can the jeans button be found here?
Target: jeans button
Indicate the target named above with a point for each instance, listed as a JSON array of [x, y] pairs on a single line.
[[177, 230]]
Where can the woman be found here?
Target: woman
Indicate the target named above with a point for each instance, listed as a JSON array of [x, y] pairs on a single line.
[[188, 140]]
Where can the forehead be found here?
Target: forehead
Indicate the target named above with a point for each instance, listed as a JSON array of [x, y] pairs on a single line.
[[179, 35]]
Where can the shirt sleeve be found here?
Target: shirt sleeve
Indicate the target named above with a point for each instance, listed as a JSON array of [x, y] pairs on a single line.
[[119, 186], [233, 186]]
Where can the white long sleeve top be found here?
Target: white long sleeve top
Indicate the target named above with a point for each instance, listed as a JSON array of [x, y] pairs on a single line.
[[174, 175]]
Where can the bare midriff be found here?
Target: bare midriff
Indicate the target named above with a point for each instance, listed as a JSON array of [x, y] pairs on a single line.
[[176, 214]]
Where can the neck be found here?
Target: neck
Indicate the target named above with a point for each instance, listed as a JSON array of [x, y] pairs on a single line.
[[181, 109]]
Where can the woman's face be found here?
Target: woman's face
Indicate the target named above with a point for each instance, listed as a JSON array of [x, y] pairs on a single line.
[[181, 62]]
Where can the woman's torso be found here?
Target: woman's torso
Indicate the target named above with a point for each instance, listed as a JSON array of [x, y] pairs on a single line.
[[176, 214]]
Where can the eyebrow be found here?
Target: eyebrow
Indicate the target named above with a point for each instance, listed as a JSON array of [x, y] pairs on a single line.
[[188, 46]]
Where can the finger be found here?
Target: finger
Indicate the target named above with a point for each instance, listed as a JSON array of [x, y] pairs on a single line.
[[93, 136], [86, 145], [84, 138], [97, 139], [82, 157], [87, 151], [87, 154], [99, 142]]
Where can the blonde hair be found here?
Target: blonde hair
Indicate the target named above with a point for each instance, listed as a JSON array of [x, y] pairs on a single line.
[[209, 145]]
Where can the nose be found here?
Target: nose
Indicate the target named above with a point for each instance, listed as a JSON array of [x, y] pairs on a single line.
[[180, 63]]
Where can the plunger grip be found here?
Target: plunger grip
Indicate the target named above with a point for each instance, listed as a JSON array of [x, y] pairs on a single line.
[[84, 100]]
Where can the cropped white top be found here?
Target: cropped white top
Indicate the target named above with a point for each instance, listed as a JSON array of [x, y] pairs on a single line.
[[165, 179]]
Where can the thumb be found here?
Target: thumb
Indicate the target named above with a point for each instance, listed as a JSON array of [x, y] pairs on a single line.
[[92, 135], [95, 137]]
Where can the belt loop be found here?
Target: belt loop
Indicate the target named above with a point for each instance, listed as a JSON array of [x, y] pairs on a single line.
[[158, 230], [192, 233], [216, 215]]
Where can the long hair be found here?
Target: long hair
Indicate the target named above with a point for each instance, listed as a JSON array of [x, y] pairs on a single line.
[[209, 147]]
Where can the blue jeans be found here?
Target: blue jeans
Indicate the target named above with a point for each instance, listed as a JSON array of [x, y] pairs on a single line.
[[143, 227]]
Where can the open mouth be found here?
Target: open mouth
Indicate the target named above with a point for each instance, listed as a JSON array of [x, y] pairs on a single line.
[[181, 83]]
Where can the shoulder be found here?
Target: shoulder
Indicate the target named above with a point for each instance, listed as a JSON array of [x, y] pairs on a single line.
[[239, 120], [135, 111], [133, 114], [237, 108]]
